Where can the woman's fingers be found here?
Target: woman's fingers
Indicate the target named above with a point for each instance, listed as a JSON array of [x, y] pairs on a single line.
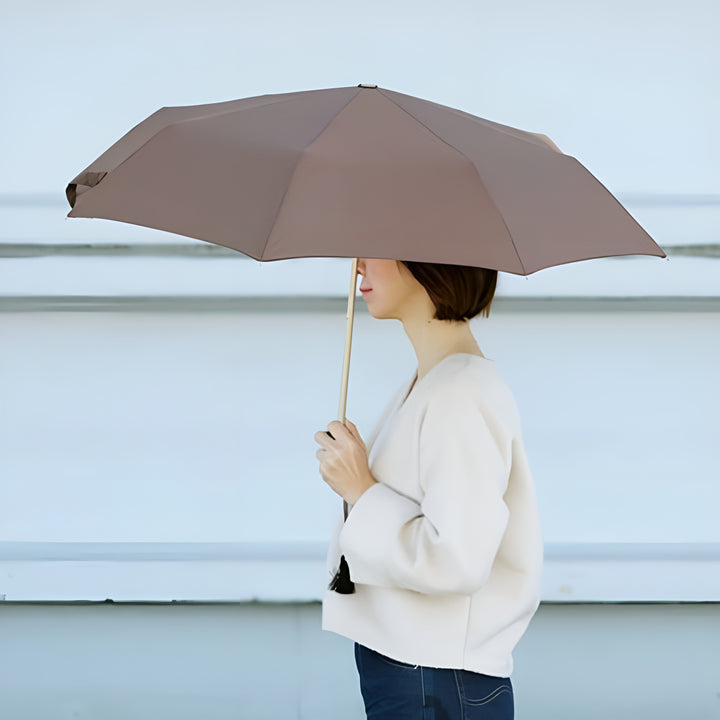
[[321, 438], [343, 460], [336, 428], [355, 432], [338, 432]]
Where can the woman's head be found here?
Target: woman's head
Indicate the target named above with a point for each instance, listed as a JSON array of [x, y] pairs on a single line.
[[450, 292]]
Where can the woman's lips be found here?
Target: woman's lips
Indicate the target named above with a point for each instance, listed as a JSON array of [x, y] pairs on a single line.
[[365, 290]]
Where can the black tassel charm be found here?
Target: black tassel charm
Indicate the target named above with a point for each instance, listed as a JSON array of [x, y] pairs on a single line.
[[342, 583]]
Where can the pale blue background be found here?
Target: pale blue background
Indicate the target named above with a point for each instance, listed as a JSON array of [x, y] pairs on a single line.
[[122, 422]]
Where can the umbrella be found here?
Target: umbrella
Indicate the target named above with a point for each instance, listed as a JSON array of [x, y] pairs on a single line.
[[357, 172]]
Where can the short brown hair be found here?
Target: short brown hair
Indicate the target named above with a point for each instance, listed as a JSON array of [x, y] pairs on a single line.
[[459, 292]]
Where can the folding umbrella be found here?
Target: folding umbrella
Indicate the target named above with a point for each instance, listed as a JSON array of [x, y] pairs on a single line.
[[357, 172]]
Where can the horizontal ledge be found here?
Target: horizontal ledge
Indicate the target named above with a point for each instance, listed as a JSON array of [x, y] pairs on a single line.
[[199, 249], [161, 551], [297, 572], [191, 248], [57, 199], [305, 304], [14, 551], [318, 601]]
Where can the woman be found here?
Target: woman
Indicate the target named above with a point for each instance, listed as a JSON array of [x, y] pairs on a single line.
[[442, 539]]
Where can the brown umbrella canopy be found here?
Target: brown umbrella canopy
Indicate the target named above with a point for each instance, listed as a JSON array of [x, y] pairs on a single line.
[[357, 172]]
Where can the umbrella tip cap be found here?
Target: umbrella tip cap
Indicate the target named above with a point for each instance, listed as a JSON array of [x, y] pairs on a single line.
[[365, 85]]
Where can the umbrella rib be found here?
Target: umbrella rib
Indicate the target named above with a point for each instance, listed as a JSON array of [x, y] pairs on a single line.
[[606, 190], [492, 200], [287, 186], [502, 218], [509, 130]]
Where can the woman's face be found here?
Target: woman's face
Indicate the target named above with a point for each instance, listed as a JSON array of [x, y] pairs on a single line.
[[390, 289]]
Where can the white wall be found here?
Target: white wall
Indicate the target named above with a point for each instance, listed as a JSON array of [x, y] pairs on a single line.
[[160, 427], [272, 662], [628, 87]]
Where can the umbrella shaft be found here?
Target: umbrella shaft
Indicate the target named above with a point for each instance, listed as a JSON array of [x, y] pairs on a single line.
[[348, 342]]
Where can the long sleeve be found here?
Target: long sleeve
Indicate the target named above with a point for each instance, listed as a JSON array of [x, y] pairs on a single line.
[[447, 542]]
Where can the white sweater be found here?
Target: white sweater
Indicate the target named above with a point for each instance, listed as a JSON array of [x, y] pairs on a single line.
[[446, 549]]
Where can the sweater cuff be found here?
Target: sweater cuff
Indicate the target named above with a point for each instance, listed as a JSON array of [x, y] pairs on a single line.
[[370, 532]]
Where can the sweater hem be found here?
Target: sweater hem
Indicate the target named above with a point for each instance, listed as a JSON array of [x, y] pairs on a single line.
[[481, 665]]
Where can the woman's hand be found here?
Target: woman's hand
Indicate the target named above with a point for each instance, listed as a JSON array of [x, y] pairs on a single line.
[[344, 461]]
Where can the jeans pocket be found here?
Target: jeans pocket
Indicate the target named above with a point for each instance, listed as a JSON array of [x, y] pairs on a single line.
[[395, 663], [476, 689]]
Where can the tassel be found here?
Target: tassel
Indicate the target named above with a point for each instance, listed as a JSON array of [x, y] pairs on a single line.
[[342, 583]]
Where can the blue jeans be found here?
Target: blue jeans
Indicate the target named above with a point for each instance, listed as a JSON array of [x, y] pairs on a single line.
[[394, 690]]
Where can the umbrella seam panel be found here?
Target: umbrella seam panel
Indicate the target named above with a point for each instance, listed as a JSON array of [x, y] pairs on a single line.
[[457, 150]]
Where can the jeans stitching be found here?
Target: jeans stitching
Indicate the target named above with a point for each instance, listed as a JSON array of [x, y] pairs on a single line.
[[394, 663], [397, 663], [458, 683], [492, 696], [482, 701]]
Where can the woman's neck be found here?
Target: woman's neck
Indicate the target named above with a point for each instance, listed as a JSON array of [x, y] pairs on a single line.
[[433, 340]]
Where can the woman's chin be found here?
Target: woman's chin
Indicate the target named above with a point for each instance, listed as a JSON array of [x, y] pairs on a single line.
[[378, 312], [378, 315]]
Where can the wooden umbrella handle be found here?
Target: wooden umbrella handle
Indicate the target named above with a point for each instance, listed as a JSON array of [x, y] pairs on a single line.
[[346, 359], [348, 342]]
